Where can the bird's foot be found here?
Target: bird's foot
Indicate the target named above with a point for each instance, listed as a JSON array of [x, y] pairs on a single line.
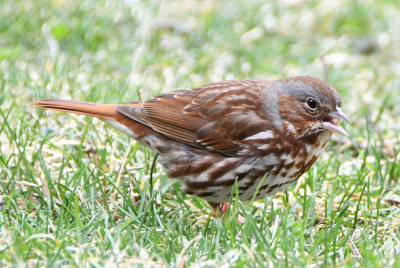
[[221, 209]]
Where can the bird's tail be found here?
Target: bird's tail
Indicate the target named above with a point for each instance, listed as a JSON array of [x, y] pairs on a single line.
[[105, 112], [102, 111]]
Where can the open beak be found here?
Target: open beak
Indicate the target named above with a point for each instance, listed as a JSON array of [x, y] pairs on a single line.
[[332, 121]]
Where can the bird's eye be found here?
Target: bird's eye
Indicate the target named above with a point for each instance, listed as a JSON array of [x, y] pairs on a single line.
[[312, 103]]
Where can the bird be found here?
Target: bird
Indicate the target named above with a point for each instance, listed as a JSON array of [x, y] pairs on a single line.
[[260, 135]]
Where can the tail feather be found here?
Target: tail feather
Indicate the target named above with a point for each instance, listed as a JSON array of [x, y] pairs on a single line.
[[78, 107], [106, 112]]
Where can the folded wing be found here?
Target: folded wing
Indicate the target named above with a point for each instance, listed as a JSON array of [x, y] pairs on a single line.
[[218, 116]]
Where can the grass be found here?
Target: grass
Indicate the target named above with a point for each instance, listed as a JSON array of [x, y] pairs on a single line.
[[75, 192]]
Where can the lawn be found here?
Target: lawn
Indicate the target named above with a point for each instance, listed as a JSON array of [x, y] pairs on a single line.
[[76, 192]]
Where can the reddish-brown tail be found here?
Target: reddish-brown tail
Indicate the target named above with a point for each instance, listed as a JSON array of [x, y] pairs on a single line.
[[78, 107], [106, 112]]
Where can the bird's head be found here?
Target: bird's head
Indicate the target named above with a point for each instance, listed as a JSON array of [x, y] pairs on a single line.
[[312, 106]]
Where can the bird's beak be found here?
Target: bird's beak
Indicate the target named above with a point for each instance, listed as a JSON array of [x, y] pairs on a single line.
[[332, 121]]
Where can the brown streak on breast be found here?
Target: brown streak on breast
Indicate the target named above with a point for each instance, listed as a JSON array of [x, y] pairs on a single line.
[[290, 165], [311, 139], [222, 170], [277, 169], [297, 151], [256, 174], [191, 168], [304, 166], [310, 162], [207, 184]]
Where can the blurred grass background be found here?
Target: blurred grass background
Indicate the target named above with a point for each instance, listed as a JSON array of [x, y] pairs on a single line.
[[75, 192]]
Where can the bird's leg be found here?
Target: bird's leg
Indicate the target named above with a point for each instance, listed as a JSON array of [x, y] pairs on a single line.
[[221, 209], [224, 207], [217, 209]]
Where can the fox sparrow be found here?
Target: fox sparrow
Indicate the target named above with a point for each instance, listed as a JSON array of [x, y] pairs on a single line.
[[213, 135]]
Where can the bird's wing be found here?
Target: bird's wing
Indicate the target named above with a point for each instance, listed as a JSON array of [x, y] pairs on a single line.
[[218, 116], [164, 114], [235, 113]]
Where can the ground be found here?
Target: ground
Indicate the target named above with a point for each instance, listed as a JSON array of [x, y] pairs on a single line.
[[76, 192]]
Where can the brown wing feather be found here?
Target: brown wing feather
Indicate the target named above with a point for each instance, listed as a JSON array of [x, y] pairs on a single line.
[[217, 116], [170, 110], [164, 113], [233, 109]]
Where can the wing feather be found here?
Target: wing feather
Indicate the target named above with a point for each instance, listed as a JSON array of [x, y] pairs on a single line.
[[217, 116]]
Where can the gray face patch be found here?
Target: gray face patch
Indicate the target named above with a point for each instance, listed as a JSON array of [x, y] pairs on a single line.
[[307, 87]]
